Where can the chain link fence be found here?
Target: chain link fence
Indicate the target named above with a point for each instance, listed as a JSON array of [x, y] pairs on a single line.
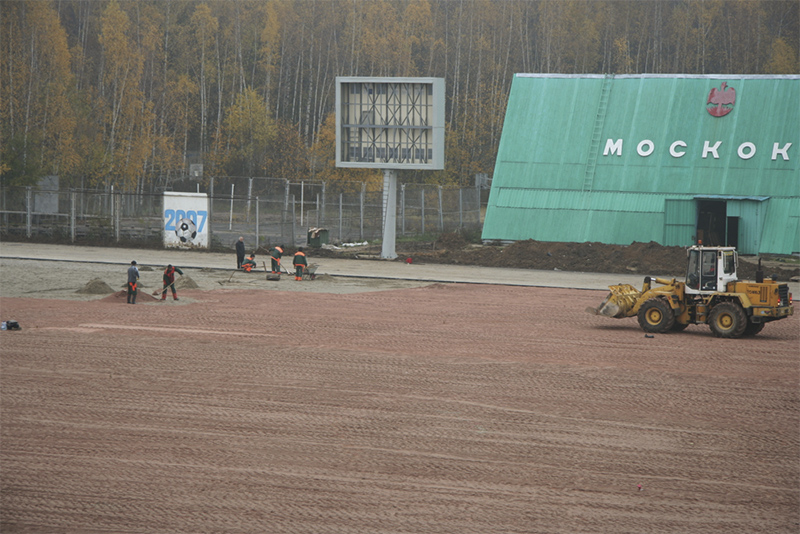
[[265, 211]]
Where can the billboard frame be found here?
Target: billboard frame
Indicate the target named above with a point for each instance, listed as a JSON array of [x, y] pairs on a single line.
[[390, 123]]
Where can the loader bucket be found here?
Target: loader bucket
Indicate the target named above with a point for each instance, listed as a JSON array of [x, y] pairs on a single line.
[[619, 303]]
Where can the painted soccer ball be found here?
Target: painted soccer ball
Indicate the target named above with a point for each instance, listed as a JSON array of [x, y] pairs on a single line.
[[186, 230]]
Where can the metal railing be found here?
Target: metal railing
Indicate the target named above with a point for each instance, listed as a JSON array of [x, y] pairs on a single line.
[[264, 211]]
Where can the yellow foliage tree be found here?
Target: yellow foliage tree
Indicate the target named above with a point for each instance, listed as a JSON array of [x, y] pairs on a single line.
[[124, 114], [247, 133], [783, 59], [37, 118]]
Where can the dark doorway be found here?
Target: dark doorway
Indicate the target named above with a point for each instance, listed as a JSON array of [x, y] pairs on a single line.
[[711, 221]]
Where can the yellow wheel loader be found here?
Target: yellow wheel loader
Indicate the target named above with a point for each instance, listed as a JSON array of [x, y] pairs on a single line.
[[712, 295]]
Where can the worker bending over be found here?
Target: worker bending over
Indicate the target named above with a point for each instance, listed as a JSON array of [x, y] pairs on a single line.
[[300, 263], [249, 264], [169, 282], [275, 254]]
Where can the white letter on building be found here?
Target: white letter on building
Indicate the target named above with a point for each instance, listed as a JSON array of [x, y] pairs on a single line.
[[640, 148], [612, 148], [712, 149], [748, 145], [782, 151], [674, 153]]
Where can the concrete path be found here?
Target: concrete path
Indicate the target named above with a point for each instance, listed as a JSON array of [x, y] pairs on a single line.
[[377, 269], [380, 269]]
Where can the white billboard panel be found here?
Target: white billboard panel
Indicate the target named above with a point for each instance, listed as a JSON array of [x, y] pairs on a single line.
[[390, 123], [186, 220]]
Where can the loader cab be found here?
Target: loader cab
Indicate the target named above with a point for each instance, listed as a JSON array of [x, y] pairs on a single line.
[[709, 269]]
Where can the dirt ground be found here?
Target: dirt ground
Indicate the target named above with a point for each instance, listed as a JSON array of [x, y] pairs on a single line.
[[355, 406], [643, 258]]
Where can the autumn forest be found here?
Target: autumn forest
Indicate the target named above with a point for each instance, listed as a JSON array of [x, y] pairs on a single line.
[[128, 93]]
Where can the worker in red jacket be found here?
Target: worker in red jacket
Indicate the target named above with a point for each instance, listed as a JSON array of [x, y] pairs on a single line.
[[169, 281], [300, 263]]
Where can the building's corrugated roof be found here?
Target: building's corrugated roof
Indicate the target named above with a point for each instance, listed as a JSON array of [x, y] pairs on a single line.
[[568, 167]]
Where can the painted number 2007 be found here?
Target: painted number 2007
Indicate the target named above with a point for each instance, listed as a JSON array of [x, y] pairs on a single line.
[[173, 216]]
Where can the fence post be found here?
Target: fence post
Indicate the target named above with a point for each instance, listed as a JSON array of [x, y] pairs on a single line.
[[478, 204], [441, 215], [321, 221], [361, 217], [256, 220], [402, 209], [249, 196], [460, 208], [422, 212], [210, 211], [294, 214], [117, 199], [72, 195], [230, 219], [28, 210], [341, 239]]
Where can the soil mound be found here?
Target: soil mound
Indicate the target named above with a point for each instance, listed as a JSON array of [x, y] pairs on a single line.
[[642, 258], [95, 287], [185, 282]]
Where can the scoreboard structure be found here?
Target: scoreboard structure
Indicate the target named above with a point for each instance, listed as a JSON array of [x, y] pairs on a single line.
[[390, 124]]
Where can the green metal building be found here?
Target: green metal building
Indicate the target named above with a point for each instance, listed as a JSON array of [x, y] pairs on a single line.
[[664, 158]]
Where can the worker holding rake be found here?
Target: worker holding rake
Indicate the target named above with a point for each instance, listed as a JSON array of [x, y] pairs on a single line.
[[275, 254], [300, 263], [169, 282]]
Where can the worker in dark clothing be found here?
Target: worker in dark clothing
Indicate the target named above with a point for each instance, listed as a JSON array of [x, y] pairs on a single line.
[[275, 254], [249, 264], [133, 277], [239, 252], [169, 282], [300, 263]]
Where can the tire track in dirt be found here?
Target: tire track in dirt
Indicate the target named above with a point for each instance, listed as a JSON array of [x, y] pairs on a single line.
[[442, 409]]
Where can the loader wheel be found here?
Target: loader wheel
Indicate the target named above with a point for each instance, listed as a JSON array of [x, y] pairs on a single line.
[[656, 316], [727, 320], [753, 328]]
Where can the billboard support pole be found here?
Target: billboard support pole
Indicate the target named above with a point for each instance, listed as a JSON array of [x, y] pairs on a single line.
[[389, 214]]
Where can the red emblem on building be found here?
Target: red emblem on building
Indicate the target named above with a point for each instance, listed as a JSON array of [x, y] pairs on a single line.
[[720, 101]]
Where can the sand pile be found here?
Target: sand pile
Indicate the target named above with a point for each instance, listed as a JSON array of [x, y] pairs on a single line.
[[185, 282], [96, 287]]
